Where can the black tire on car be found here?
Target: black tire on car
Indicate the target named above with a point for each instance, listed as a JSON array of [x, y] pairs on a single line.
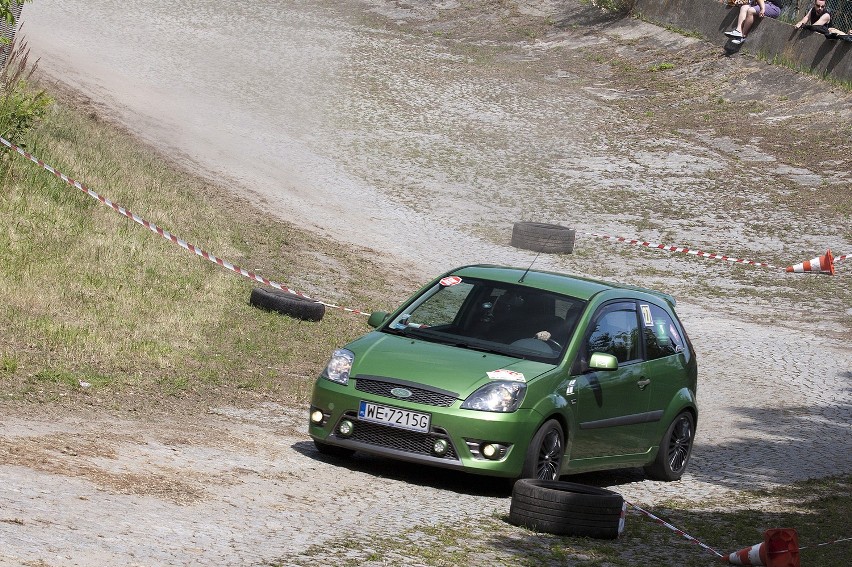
[[545, 451], [541, 237], [566, 508], [675, 449], [333, 450], [287, 304]]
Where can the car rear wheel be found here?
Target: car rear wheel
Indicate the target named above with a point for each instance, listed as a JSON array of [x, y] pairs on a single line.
[[675, 449], [544, 455]]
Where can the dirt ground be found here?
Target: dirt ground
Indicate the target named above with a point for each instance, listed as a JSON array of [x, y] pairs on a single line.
[[425, 129]]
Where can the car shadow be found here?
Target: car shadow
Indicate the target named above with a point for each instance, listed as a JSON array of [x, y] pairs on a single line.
[[456, 481], [415, 473]]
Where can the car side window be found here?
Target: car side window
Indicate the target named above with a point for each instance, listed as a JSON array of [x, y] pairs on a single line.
[[661, 335], [616, 332]]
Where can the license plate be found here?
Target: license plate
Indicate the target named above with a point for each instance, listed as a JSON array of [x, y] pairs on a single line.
[[394, 417]]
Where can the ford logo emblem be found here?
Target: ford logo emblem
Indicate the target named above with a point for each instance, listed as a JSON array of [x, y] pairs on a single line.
[[401, 393]]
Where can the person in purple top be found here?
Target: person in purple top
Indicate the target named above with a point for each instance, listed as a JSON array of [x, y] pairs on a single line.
[[748, 13]]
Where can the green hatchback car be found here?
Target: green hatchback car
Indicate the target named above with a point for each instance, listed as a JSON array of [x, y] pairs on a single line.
[[516, 373]]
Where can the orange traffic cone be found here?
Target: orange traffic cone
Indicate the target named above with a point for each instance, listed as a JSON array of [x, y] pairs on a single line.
[[820, 265], [779, 548]]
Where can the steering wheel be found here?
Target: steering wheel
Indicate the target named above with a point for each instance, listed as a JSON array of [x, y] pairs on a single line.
[[553, 344]]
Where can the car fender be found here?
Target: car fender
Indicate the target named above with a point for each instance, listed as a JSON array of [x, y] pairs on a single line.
[[683, 399], [557, 405]]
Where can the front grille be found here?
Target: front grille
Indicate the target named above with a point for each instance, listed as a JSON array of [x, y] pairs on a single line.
[[399, 439], [419, 395]]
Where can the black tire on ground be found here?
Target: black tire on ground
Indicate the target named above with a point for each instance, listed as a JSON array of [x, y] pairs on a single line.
[[545, 451], [566, 508], [287, 304], [540, 237], [675, 449], [333, 450]]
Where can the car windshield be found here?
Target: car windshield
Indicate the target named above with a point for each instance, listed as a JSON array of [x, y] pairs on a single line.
[[497, 317]]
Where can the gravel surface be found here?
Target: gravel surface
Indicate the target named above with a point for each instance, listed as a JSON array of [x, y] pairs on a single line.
[[424, 130]]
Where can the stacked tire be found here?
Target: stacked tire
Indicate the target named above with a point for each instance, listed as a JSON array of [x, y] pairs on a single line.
[[288, 304], [567, 508], [541, 237]]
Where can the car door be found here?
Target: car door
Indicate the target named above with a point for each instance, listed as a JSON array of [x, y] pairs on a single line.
[[612, 405], [667, 354]]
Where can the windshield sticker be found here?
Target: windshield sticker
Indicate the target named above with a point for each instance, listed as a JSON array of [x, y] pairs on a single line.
[[450, 280], [646, 315], [504, 374]]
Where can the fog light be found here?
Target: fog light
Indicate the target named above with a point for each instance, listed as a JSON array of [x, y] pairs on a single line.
[[345, 428], [440, 447], [317, 417], [489, 451]]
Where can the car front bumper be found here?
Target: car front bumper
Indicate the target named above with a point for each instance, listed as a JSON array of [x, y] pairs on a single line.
[[463, 433]]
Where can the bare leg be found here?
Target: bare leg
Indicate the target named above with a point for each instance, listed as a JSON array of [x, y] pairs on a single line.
[[745, 10], [747, 21]]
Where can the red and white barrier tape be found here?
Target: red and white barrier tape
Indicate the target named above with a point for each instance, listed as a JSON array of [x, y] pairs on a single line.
[[683, 250], [677, 531], [703, 545], [698, 253], [824, 543], [168, 236]]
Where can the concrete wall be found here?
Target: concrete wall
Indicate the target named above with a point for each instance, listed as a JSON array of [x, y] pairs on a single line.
[[769, 38]]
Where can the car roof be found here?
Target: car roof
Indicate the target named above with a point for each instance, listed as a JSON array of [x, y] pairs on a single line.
[[575, 286]]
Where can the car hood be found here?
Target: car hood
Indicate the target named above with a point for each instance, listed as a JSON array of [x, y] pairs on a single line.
[[450, 368]]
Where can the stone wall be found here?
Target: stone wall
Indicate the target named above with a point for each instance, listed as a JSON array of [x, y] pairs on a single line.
[[770, 38]]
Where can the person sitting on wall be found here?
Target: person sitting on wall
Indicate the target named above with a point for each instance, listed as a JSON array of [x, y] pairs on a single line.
[[816, 19], [748, 13]]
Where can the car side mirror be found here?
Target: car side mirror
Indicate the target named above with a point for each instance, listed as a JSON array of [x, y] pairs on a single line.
[[377, 318], [603, 361]]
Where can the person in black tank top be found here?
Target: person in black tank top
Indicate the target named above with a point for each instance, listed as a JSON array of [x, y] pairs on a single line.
[[817, 17]]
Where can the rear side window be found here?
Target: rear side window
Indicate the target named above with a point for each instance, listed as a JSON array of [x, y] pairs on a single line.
[[616, 332], [661, 335]]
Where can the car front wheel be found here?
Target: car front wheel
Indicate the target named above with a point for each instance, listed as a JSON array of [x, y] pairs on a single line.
[[544, 455], [675, 449]]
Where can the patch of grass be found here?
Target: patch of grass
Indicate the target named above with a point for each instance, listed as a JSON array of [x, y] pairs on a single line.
[[8, 364], [815, 509], [782, 61], [661, 67], [91, 297], [683, 32], [616, 6]]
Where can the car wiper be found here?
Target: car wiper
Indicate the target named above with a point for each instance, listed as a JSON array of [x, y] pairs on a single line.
[[481, 348], [394, 331]]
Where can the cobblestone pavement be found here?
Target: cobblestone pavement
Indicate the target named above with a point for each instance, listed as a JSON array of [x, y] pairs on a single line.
[[442, 144]]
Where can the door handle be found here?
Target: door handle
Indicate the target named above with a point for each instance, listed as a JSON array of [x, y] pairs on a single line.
[[642, 383]]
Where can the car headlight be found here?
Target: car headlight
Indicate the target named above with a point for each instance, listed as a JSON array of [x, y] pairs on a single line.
[[503, 397], [337, 369]]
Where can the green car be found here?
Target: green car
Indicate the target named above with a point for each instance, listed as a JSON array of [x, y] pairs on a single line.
[[516, 373]]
